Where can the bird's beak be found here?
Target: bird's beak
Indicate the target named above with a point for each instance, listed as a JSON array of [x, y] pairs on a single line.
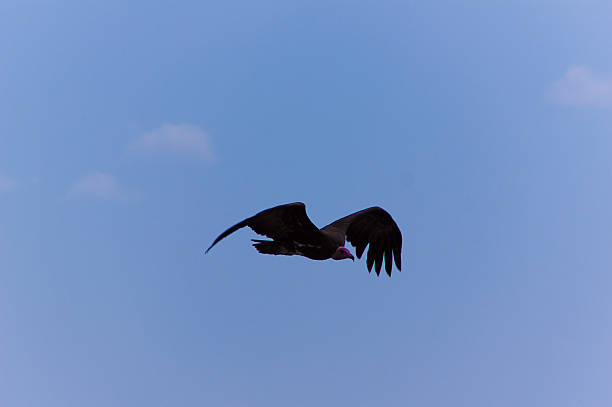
[[352, 257]]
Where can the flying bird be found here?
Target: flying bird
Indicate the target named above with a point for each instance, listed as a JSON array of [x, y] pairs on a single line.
[[293, 233]]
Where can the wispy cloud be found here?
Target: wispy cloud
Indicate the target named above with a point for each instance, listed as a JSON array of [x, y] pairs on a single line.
[[99, 185], [6, 182], [580, 86], [184, 139]]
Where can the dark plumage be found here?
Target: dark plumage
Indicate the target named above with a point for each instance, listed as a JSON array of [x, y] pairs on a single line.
[[292, 233]]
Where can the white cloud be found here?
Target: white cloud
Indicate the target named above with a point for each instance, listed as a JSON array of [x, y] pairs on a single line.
[[582, 87], [177, 138], [6, 182], [100, 185]]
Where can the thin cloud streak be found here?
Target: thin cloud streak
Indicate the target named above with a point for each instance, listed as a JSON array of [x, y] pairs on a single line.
[[99, 185], [6, 182], [183, 139], [580, 86]]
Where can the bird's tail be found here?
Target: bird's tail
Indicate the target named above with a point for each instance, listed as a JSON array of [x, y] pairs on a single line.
[[271, 247]]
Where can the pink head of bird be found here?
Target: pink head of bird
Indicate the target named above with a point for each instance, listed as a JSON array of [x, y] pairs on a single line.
[[342, 253]]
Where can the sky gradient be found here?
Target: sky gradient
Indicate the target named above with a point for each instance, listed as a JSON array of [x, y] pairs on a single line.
[[132, 134]]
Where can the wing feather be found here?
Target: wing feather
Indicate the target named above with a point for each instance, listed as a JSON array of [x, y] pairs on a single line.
[[360, 248], [388, 261], [378, 260], [374, 227], [370, 259], [283, 222]]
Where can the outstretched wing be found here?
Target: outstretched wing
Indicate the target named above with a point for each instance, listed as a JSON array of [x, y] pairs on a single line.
[[283, 222], [373, 226]]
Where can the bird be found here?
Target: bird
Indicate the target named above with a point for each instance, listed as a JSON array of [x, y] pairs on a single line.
[[293, 233]]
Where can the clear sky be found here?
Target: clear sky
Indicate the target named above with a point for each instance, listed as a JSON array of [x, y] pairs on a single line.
[[133, 133]]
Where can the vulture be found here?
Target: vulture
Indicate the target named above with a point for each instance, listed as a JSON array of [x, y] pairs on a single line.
[[293, 233]]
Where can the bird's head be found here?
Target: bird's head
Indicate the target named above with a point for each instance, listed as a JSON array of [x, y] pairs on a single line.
[[342, 253]]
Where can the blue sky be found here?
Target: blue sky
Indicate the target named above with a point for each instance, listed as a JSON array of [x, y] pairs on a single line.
[[132, 134]]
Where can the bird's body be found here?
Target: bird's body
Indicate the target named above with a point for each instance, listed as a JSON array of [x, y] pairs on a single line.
[[294, 234]]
